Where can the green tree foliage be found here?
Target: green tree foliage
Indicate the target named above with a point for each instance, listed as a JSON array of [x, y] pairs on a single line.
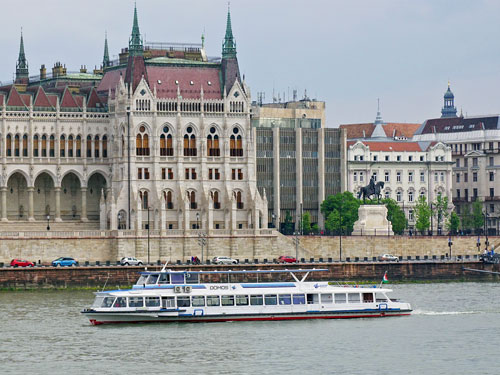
[[395, 215], [423, 214], [306, 223], [288, 224], [477, 216], [343, 205], [453, 223], [440, 209], [315, 228]]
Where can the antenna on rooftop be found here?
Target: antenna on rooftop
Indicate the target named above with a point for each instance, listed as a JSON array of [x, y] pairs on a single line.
[[294, 95], [261, 97]]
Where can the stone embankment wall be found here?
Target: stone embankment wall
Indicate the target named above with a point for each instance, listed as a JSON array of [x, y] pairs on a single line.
[[109, 246], [117, 276]]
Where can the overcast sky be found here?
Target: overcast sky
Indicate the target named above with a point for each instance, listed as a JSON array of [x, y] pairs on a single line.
[[347, 53]]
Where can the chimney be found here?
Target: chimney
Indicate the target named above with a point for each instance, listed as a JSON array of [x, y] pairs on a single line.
[[58, 70], [43, 72], [83, 69]]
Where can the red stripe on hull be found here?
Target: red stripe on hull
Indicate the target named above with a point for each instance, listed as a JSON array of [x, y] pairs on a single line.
[[202, 320]]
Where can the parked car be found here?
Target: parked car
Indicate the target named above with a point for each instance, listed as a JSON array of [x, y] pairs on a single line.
[[287, 259], [130, 261], [21, 263], [388, 257], [224, 260], [64, 261]]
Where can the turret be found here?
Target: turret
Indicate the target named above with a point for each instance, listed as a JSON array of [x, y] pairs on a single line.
[[230, 68], [105, 59], [136, 67], [22, 74], [449, 109]]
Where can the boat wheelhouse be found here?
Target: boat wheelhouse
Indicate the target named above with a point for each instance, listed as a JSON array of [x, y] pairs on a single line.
[[184, 296]]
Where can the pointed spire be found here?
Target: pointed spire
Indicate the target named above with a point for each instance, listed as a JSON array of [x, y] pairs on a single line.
[[105, 60], [22, 65], [229, 45], [135, 45], [379, 129], [378, 119]]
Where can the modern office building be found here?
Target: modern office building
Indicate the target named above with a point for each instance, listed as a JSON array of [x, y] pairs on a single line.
[[299, 161]]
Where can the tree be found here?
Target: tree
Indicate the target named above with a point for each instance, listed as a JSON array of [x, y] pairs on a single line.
[[453, 223], [423, 214], [315, 228], [477, 216], [395, 215], [288, 224], [306, 223], [340, 211], [440, 209]]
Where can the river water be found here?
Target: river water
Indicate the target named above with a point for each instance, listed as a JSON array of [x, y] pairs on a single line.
[[455, 329]]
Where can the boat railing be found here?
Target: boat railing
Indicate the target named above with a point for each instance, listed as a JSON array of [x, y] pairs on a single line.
[[351, 284]]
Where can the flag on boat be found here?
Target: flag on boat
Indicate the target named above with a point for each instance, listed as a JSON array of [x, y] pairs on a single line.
[[384, 278]]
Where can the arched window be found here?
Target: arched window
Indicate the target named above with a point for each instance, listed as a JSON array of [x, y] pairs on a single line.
[[168, 200], [104, 146], [239, 203], [9, 145], [163, 145], [215, 198], [44, 146], [35, 146], [25, 145], [190, 142], [62, 146], [52, 146], [142, 142], [78, 146], [170, 147], [192, 200], [398, 196], [70, 146], [236, 143], [144, 199], [16, 145], [213, 143], [89, 146], [96, 146]]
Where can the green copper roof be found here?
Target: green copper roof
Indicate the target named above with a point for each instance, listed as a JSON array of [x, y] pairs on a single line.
[[22, 64], [229, 45], [172, 61], [105, 60], [135, 44]]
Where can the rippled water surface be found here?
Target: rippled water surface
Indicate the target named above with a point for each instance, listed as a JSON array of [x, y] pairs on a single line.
[[455, 329]]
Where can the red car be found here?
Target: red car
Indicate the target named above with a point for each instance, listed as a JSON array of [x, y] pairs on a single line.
[[287, 259], [21, 263]]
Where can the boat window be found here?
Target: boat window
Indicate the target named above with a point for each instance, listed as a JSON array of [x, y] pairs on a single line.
[[241, 300], [177, 278], [152, 301], [108, 302], [135, 302], [192, 278], [213, 301], [353, 297], [183, 301], [299, 299], [340, 298], [256, 300], [271, 299], [326, 298], [379, 297], [367, 297], [120, 302], [168, 302], [312, 298], [164, 278], [152, 279], [227, 300], [197, 301], [285, 299], [98, 302], [142, 280]]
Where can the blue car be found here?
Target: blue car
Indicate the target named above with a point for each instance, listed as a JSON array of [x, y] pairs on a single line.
[[64, 261]]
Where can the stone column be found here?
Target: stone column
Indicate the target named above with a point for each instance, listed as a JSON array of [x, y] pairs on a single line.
[[4, 203], [58, 204], [31, 216], [83, 216]]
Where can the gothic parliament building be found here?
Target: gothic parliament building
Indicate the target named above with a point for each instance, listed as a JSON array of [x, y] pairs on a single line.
[[162, 135]]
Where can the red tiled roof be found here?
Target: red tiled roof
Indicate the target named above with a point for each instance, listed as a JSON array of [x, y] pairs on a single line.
[[391, 129], [2, 96], [110, 80], [390, 146], [53, 100], [41, 99], [94, 101], [15, 99], [79, 100], [68, 101]]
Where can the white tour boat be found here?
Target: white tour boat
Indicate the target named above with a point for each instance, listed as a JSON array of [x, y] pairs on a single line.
[[179, 296]]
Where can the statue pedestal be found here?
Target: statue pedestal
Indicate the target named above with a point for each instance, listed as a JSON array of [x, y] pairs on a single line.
[[372, 221]]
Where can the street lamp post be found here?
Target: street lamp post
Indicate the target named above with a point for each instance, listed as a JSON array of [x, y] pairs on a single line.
[[432, 226], [148, 232], [486, 243], [340, 237], [450, 243], [48, 222]]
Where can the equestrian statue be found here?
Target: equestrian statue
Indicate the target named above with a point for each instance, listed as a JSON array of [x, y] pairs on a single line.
[[372, 189]]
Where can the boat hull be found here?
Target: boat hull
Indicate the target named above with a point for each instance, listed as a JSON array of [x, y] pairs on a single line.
[[98, 318]]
